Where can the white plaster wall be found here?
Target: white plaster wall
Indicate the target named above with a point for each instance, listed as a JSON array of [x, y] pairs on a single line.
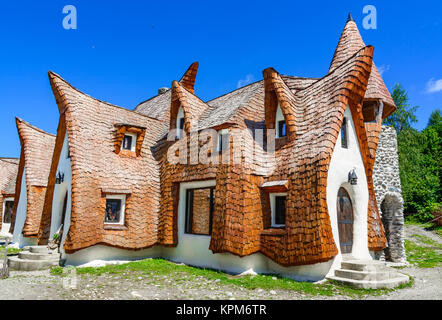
[[342, 162], [194, 250], [20, 217], [64, 166], [5, 226]]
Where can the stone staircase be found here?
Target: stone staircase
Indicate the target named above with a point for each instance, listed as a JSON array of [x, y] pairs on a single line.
[[34, 258], [368, 275]]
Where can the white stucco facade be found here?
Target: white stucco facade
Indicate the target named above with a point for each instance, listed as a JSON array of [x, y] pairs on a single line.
[[20, 217], [194, 249], [342, 162], [60, 192]]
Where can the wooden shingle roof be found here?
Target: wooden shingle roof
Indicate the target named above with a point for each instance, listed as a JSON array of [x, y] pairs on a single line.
[[8, 175], [92, 127], [349, 43], [35, 161]]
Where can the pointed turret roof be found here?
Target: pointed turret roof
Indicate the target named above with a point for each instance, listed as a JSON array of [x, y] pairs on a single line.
[[350, 43]]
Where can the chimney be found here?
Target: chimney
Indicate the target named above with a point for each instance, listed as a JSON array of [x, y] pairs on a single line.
[[162, 90]]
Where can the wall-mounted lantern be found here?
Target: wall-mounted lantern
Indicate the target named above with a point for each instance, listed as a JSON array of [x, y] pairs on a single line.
[[352, 178], [59, 179]]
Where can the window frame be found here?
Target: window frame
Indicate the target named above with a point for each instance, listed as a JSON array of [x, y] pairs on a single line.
[[6, 200], [122, 198], [133, 145], [278, 120], [273, 203], [344, 133], [188, 218], [180, 120], [219, 143]]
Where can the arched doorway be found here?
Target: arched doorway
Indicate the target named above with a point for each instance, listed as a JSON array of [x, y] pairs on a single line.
[[345, 221]]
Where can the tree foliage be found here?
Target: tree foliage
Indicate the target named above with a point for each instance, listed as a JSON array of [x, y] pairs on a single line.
[[404, 116], [420, 154]]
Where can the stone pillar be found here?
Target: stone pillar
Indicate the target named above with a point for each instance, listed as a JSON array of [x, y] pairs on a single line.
[[388, 192]]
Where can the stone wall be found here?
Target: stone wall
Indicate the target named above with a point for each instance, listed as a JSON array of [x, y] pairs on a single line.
[[388, 194]]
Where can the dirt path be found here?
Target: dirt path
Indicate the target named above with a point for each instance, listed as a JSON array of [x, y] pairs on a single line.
[[412, 230]]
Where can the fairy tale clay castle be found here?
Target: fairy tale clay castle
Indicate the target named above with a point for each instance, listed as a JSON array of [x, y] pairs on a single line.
[[285, 184]]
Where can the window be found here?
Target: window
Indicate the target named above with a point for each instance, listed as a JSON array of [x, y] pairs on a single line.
[[278, 205], [9, 205], [199, 211], [180, 123], [115, 207], [223, 140], [281, 130], [129, 142], [344, 137]]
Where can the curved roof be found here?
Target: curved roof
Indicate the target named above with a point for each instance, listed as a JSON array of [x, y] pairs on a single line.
[[349, 43], [97, 168], [37, 150], [8, 175]]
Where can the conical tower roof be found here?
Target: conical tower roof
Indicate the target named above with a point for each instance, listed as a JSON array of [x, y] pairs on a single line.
[[350, 43]]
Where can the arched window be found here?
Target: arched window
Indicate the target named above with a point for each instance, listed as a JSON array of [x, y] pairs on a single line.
[[180, 122], [280, 125]]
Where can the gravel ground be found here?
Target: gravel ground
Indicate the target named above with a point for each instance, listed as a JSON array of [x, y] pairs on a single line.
[[40, 285]]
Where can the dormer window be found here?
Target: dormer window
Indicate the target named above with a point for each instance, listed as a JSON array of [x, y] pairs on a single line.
[[344, 135], [180, 123], [280, 126], [129, 142]]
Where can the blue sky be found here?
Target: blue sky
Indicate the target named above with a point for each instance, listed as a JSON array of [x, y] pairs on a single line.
[[123, 51]]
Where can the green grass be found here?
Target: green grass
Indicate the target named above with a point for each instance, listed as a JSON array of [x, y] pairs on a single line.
[[423, 256], [183, 273], [10, 250]]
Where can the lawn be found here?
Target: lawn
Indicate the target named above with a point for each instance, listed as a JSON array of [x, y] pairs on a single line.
[[424, 252], [161, 267]]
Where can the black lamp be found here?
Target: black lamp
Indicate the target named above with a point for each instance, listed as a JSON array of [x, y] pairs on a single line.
[[352, 178], [59, 179]]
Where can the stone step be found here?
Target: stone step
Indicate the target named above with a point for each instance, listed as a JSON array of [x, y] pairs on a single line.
[[41, 249], [364, 275], [367, 266], [38, 256], [364, 284], [16, 263]]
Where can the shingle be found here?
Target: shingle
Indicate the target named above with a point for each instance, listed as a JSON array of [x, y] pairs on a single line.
[[37, 149]]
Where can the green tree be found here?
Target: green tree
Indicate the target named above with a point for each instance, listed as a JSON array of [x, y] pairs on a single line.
[[405, 114], [420, 154]]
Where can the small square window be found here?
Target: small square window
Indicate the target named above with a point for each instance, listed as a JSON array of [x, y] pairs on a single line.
[[129, 142], [282, 130], [278, 207], [280, 210], [115, 206]]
